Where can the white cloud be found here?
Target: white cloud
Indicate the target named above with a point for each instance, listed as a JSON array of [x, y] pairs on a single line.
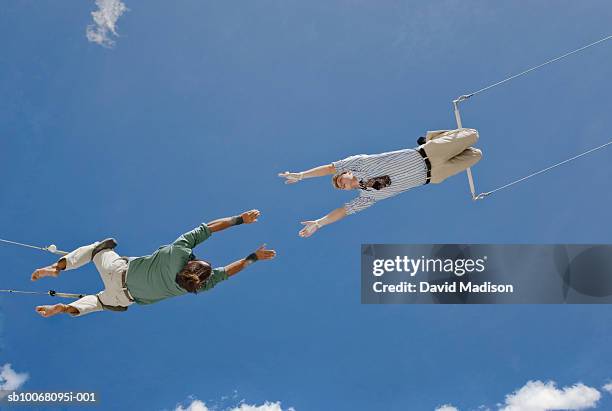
[[608, 387], [447, 407], [540, 396], [10, 380], [197, 405], [267, 406], [105, 22]]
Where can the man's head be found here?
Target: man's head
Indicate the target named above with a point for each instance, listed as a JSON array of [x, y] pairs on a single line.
[[345, 181], [193, 276]]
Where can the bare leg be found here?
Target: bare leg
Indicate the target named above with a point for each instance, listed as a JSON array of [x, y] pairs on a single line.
[[107, 262], [73, 259], [51, 310], [49, 271]]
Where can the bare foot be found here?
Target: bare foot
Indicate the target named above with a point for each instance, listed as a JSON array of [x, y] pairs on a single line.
[[48, 271], [49, 310]]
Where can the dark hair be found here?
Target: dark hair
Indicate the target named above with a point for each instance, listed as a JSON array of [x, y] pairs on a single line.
[[377, 183], [193, 276]]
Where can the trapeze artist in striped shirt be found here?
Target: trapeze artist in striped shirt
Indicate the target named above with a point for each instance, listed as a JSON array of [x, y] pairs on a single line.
[[440, 154]]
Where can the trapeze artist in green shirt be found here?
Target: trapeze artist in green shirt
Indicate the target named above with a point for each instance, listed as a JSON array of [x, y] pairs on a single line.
[[170, 271]]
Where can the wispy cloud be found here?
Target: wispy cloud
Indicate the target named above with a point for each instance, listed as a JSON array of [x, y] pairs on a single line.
[[197, 405], [546, 396], [540, 396], [105, 22], [10, 380], [267, 406]]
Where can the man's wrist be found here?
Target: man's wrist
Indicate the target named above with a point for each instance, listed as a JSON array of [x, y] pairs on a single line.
[[251, 258], [237, 220]]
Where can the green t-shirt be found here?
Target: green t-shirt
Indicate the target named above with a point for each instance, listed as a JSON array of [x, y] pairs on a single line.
[[153, 278]]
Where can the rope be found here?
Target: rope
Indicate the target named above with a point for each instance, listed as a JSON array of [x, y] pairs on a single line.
[[466, 96], [22, 244], [483, 195], [51, 248], [52, 293]]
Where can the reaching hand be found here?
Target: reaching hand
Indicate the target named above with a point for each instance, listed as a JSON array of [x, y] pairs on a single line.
[[250, 216], [263, 254], [310, 228], [291, 178]]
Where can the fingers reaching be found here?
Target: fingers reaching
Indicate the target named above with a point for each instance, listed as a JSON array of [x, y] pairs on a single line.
[[309, 229], [267, 254], [264, 254], [250, 216], [291, 178]]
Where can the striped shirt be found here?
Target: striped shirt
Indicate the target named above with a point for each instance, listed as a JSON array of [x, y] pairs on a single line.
[[406, 168]]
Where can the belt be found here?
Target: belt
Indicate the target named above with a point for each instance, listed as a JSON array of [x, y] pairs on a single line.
[[124, 281], [427, 163]]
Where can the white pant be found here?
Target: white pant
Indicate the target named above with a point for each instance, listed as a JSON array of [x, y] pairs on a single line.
[[111, 267], [450, 153]]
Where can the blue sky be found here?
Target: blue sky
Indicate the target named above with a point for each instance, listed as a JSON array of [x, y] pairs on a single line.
[[189, 118]]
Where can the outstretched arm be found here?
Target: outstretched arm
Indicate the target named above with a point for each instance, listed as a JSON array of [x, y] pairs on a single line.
[[260, 254], [320, 171], [247, 217], [313, 225], [199, 234]]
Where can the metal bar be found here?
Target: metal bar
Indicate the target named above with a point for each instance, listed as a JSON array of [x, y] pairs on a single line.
[[459, 125]]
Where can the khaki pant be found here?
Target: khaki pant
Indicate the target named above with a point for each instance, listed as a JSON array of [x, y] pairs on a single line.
[[111, 267], [450, 152]]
